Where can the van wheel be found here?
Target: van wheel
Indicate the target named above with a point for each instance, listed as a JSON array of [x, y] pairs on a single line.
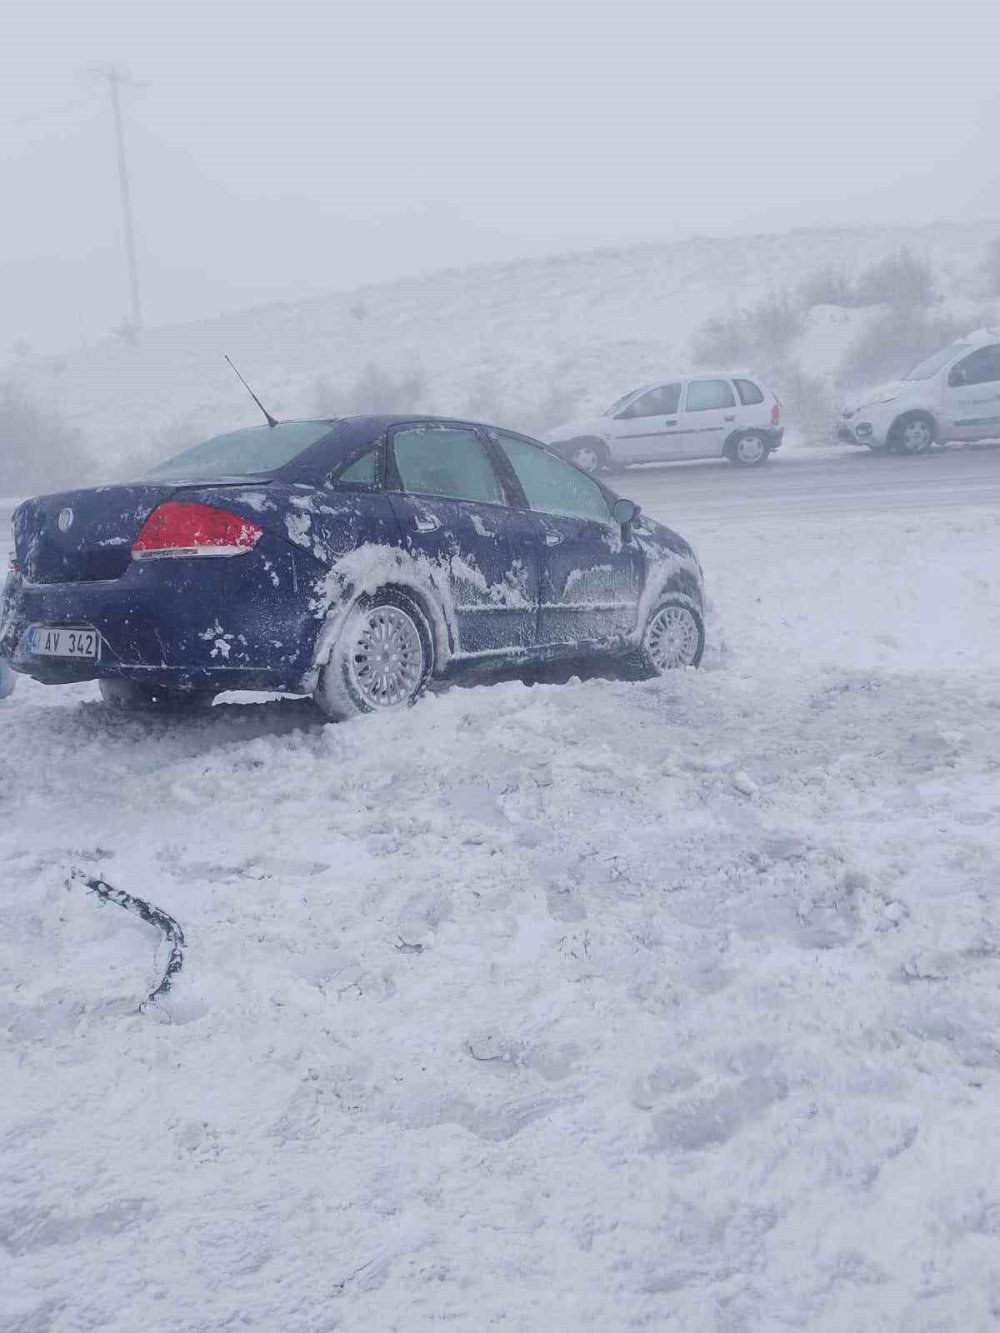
[[382, 659], [749, 450], [912, 434], [128, 696]]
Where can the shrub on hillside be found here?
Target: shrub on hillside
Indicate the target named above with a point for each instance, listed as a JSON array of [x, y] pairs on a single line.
[[826, 286], [38, 450], [759, 335], [903, 279], [374, 389], [991, 268]]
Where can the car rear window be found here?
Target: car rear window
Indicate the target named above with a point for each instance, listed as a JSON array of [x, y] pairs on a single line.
[[704, 395], [749, 392], [244, 453]]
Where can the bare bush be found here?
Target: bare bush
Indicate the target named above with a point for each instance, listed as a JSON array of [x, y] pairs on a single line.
[[374, 389], [827, 286], [893, 342], [40, 451], [903, 279], [991, 268], [807, 401], [759, 335]]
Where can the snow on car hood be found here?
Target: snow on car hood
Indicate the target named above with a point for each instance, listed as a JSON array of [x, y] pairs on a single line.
[[877, 394]]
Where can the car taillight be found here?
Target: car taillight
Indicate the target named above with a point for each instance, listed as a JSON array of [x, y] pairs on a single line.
[[13, 564], [775, 414], [176, 530]]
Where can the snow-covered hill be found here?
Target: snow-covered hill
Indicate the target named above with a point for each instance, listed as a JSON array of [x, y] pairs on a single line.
[[527, 343]]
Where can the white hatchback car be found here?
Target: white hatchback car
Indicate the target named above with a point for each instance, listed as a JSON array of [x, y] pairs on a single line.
[[952, 395], [717, 414]]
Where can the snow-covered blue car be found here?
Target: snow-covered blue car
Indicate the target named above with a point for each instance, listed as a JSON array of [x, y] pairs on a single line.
[[352, 559]]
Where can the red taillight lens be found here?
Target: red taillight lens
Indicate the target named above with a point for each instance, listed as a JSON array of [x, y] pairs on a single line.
[[177, 530], [775, 414]]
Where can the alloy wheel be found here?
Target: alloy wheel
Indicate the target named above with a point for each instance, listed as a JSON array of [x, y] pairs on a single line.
[[386, 662], [672, 638]]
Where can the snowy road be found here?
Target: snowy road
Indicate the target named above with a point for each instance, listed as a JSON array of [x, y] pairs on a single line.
[[819, 481]]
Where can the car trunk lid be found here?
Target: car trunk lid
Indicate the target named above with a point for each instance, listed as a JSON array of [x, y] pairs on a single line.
[[87, 535]]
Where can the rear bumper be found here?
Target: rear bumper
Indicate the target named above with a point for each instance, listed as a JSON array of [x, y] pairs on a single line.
[[227, 624], [776, 435]]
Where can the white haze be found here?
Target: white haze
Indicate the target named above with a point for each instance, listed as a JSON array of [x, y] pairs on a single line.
[[282, 151]]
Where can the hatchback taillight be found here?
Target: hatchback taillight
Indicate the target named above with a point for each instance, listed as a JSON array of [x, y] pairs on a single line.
[[776, 414], [177, 530]]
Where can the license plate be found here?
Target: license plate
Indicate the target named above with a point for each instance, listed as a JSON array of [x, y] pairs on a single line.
[[44, 641]]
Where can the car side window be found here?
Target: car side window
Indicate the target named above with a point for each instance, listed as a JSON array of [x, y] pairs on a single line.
[[980, 367], [703, 395], [361, 472], [663, 401], [552, 486], [749, 393], [449, 461]]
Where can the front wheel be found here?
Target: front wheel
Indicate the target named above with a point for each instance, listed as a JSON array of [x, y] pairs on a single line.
[[382, 658], [913, 434], [588, 455], [674, 636], [749, 450], [129, 696]]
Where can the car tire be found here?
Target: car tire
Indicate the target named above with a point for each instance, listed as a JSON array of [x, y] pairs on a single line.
[[129, 696], [672, 637], [8, 679], [383, 658], [590, 456], [912, 433], [750, 449]]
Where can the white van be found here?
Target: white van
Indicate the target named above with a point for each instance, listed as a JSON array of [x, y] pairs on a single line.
[[952, 395]]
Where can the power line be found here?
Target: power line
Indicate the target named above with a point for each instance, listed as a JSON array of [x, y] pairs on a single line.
[[117, 77]]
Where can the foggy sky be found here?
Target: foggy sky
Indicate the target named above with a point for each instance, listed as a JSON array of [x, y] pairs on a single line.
[[283, 149]]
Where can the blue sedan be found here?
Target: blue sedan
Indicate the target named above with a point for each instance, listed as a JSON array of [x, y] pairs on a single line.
[[352, 559]]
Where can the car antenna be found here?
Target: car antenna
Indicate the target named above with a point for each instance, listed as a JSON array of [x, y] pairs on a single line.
[[271, 421]]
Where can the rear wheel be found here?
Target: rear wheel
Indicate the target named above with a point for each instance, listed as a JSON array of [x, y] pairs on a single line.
[[382, 658], [129, 696], [749, 449], [674, 636], [912, 434]]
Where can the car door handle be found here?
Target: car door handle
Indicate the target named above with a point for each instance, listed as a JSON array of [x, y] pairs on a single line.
[[670, 421], [426, 523], [730, 417], [552, 538]]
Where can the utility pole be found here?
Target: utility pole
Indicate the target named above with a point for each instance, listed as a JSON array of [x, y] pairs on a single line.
[[116, 77]]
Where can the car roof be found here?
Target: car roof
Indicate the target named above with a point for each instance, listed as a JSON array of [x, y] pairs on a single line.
[[740, 373], [978, 337]]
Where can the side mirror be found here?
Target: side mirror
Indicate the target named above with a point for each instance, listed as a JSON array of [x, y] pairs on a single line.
[[624, 512]]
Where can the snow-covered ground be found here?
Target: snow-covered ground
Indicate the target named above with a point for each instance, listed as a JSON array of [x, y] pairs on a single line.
[[602, 1006]]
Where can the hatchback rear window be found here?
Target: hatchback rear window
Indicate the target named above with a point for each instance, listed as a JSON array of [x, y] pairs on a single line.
[[749, 392], [244, 453]]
